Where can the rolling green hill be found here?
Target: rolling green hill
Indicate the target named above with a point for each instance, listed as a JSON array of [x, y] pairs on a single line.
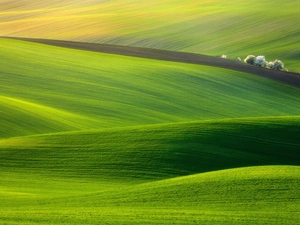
[[236, 28], [154, 174], [253, 195], [157, 151], [60, 89], [93, 138]]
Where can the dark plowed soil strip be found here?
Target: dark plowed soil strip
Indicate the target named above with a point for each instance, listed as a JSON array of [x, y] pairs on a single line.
[[289, 78]]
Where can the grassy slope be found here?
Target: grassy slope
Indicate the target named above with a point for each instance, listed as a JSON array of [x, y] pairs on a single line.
[[236, 28], [22, 118], [156, 151], [77, 90], [253, 195], [122, 175]]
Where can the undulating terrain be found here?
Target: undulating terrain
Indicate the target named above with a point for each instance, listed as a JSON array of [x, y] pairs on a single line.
[[91, 137], [235, 28], [99, 138]]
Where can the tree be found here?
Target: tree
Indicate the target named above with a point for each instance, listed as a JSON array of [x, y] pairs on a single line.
[[250, 59], [260, 61], [277, 65]]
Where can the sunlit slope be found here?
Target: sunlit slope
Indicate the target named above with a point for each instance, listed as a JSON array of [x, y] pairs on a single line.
[[239, 184], [252, 195], [157, 151], [101, 90], [236, 28], [23, 118]]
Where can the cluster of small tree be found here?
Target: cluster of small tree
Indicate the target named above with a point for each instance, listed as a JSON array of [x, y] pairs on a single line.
[[262, 62]]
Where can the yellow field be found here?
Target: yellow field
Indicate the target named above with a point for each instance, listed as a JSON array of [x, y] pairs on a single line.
[[236, 28]]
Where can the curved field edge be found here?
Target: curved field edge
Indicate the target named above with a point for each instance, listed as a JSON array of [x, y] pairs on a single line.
[[83, 89], [290, 78], [146, 153], [251, 195]]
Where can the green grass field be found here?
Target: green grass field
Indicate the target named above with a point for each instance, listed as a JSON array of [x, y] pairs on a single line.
[[236, 28], [252, 195], [91, 138], [155, 174], [59, 89]]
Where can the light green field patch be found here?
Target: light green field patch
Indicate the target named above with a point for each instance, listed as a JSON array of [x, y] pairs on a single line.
[[14, 194], [23, 117]]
